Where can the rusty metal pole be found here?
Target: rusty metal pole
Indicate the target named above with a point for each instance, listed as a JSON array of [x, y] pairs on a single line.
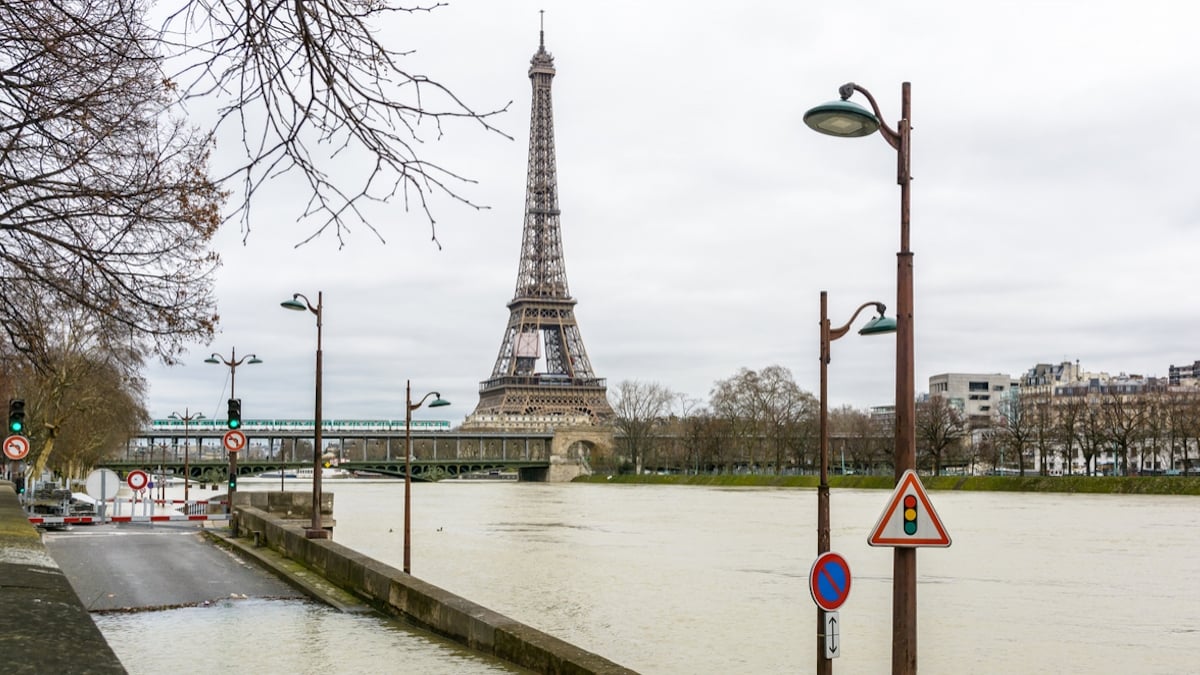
[[904, 569], [317, 531], [187, 474], [824, 665], [408, 408]]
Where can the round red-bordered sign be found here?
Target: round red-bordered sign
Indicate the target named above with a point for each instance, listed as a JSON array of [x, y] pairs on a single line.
[[829, 581], [137, 480], [16, 447], [234, 440]]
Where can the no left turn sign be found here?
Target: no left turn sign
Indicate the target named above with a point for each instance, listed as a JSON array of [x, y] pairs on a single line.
[[16, 447], [234, 440]]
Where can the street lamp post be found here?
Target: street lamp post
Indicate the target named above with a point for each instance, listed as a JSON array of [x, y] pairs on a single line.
[[162, 473], [187, 474], [848, 119], [877, 326], [409, 406], [315, 531], [233, 362]]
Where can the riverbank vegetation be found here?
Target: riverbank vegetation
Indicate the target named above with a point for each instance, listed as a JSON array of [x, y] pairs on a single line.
[[1144, 485]]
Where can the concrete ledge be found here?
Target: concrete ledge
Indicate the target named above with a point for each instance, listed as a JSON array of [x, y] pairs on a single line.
[[44, 627], [391, 590]]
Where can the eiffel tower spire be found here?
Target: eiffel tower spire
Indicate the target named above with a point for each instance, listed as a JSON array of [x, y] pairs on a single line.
[[542, 368]]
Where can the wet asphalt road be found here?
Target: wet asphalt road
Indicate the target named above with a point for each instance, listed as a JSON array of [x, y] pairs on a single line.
[[134, 566]]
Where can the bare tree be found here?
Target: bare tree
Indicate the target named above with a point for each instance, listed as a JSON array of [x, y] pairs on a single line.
[[864, 440], [1093, 433], [939, 427], [105, 205], [641, 408], [1068, 421], [1018, 428], [304, 82], [769, 411], [1124, 420], [83, 400]]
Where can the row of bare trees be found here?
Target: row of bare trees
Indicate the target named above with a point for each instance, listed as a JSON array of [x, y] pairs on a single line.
[[1151, 430], [761, 421], [756, 420]]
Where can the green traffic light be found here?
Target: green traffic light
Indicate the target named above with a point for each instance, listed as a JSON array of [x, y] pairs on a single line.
[[233, 424], [15, 427]]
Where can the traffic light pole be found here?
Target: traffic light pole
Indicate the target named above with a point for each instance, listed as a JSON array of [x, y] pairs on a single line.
[[233, 420]]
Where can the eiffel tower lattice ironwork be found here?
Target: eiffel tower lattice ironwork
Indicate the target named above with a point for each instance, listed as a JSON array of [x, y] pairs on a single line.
[[542, 309]]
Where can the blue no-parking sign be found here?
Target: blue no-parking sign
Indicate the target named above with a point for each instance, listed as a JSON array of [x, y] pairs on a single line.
[[829, 581]]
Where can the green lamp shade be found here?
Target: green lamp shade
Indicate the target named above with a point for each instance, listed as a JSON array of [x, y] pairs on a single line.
[[293, 304], [438, 402], [842, 118], [880, 325]]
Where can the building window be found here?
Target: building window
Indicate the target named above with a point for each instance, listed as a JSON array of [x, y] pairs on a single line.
[[977, 386]]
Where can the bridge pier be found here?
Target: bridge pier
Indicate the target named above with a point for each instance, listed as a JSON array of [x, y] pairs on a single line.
[[570, 450]]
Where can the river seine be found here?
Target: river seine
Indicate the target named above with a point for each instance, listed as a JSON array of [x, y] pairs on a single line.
[[684, 580]]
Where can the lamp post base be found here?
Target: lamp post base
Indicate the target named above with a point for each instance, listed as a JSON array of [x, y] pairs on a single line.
[[310, 533]]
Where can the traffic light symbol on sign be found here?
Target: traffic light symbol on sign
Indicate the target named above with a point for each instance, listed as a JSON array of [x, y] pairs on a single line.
[[235, 413], [909, 518], [16, 416], [910, 514]]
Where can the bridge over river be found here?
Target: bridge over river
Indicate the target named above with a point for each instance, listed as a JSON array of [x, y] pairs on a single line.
[[217, 471], [375, 447]]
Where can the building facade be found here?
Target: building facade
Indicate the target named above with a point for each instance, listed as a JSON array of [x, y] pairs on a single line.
[[978, 397]]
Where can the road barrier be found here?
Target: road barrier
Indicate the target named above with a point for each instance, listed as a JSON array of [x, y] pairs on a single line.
[[96, 520]]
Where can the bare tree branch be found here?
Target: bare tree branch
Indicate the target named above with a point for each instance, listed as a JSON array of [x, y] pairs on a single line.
[[306, 81]]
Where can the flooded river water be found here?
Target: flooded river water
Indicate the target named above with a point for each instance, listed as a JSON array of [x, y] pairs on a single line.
[[691, 580]]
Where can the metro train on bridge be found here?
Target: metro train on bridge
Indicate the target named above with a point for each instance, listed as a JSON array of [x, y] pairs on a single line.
[[218, 425]]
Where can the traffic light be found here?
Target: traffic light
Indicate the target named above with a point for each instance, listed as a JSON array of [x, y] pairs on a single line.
[[910, 514], [233, 481], [16, 416], [235, 413]]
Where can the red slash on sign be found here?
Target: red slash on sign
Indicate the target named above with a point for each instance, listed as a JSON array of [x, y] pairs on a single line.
[[16, 447], [234, 440], [829, 581]]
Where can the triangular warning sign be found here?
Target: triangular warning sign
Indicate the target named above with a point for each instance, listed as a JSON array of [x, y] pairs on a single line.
[[909, 519]]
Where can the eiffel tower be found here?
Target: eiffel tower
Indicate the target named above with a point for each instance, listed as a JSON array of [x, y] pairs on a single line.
[[543, 368]]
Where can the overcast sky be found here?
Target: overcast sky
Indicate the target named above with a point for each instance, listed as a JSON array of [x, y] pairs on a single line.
[[1055, 204]]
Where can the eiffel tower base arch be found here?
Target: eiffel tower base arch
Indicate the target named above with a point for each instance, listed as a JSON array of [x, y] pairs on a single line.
[[570, 452]]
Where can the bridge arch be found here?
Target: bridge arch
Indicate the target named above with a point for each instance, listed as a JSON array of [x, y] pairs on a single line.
[[570, 452]]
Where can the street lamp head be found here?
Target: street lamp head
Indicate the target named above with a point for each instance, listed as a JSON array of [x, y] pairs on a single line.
[[212, 359], [294, 304], [842, 118], [254, 359], [174, 416], [439, 401], [880, 325]]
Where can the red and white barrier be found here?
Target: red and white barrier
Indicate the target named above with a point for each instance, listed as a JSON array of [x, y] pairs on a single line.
[[91, 520]]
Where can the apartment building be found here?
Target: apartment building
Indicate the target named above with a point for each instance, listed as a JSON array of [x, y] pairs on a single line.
[[979, 397]]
